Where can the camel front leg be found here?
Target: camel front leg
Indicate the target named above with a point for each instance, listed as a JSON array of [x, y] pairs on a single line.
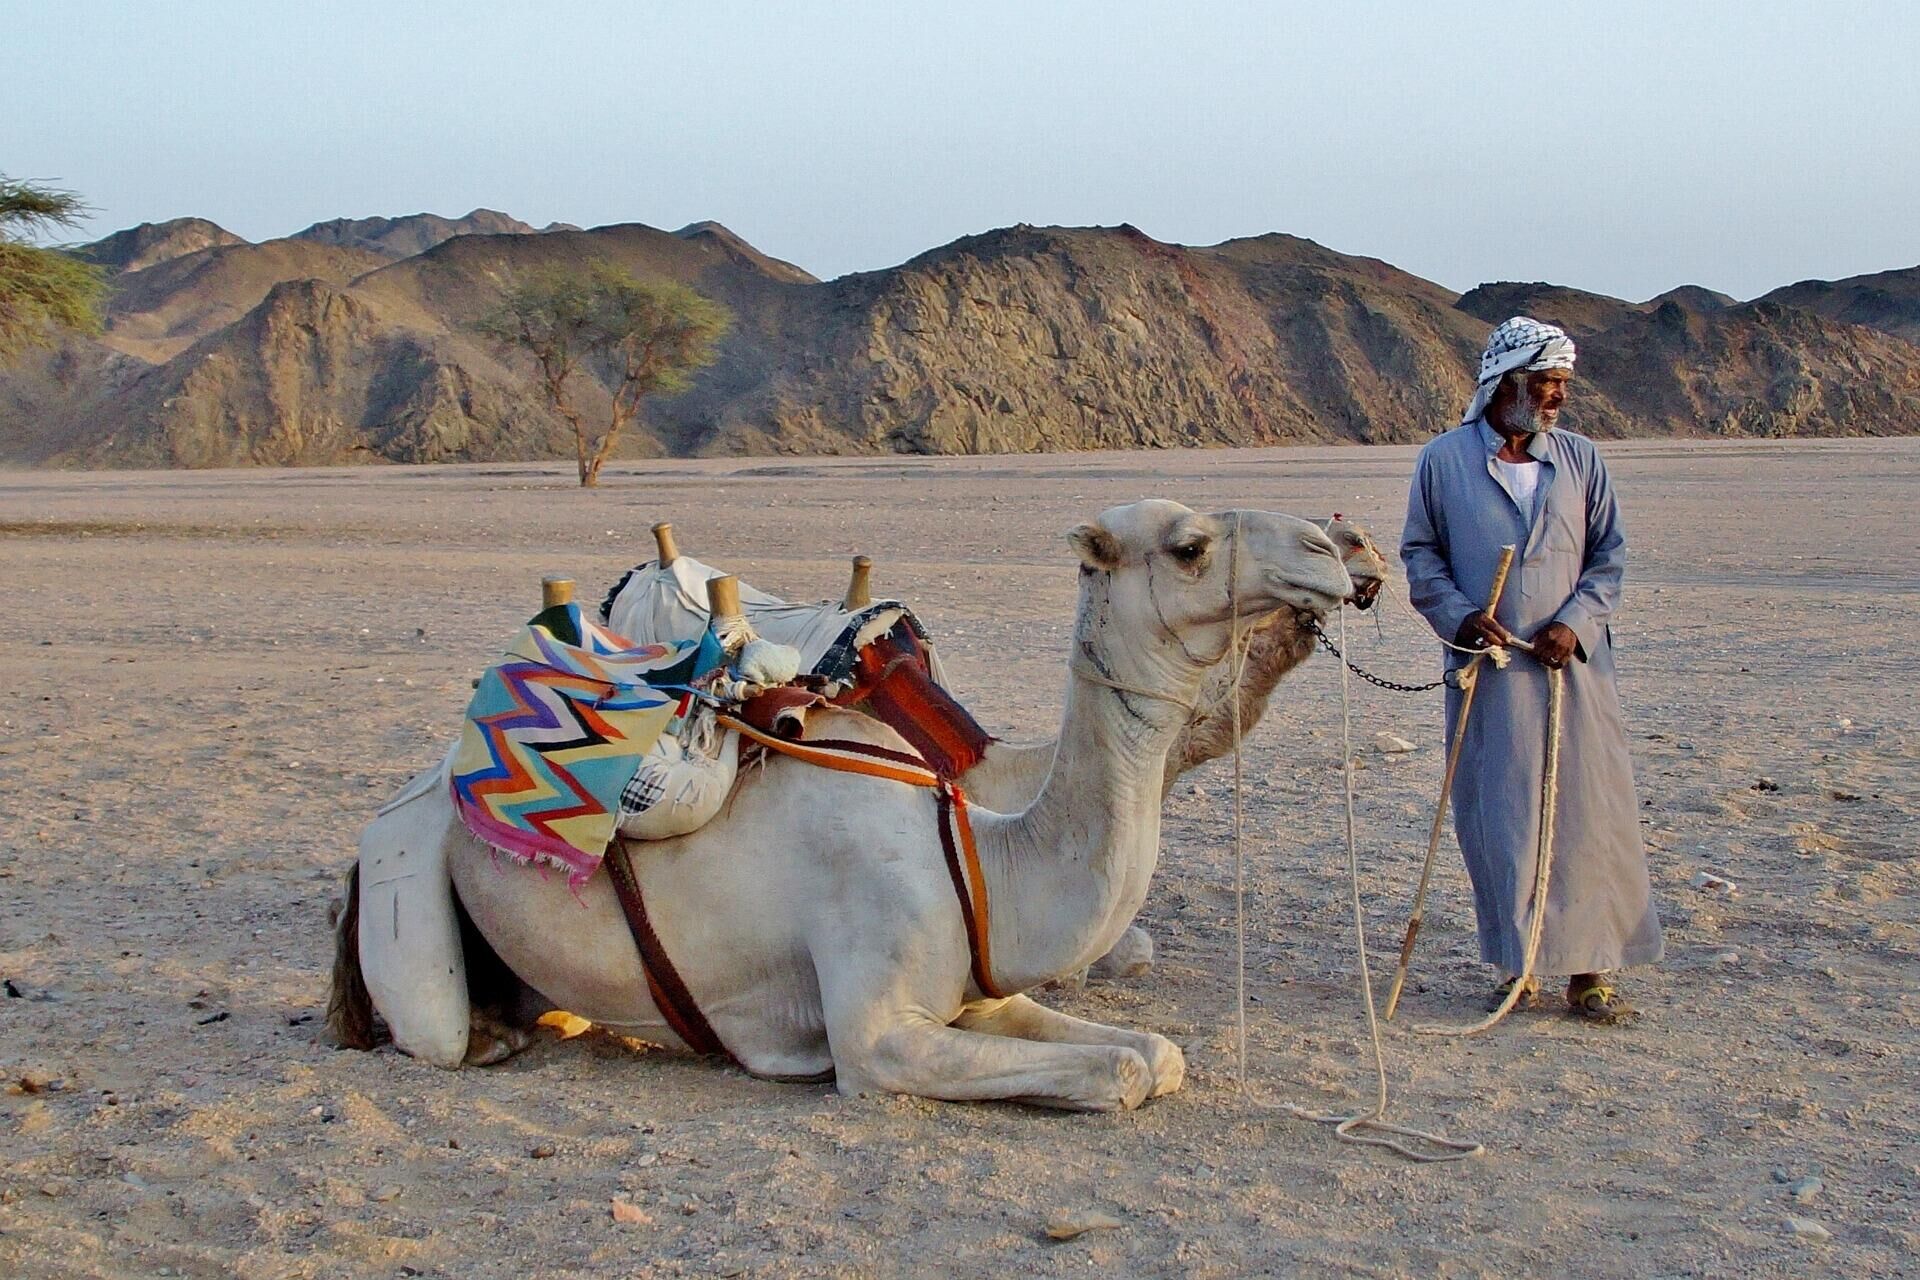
[[919, 1056], [1025, 1019]]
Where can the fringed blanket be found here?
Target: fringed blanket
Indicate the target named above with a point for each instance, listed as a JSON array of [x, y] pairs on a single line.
[[556, 731]]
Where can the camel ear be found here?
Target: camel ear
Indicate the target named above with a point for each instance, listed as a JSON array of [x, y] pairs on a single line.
[[1098, 548]]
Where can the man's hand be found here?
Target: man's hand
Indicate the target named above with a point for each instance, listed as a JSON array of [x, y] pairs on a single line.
[[1554, 644], [1482, 630]]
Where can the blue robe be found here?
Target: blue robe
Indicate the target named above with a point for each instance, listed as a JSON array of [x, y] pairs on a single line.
[[1568, 567]]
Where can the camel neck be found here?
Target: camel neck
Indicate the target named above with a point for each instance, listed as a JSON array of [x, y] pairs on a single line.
[[1069, 873]]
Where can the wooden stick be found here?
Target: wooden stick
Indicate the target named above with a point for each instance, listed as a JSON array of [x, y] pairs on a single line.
[[859, 585], [1470, 683], [723, 596], [663, 538], [555, 592]]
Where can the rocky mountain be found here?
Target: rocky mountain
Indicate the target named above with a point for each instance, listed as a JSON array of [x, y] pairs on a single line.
[[154, 242], [1886, 300], [1580, 313], [1691, 297], [159, 311], [318, 350], [415, 233]]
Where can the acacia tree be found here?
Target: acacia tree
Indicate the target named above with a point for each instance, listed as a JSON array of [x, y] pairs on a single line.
[[640, 337], [42, 291]]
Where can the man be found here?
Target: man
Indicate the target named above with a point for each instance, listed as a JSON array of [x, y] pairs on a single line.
[[1505, 476]]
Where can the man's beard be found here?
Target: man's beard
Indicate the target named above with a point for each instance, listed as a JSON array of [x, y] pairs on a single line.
[[1521, 416]]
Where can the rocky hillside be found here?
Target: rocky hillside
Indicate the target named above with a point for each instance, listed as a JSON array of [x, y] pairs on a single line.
[[1887, 300], [341, 345], [157, 312]]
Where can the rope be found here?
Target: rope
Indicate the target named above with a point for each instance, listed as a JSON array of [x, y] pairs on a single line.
[[1350, 1128], [1542, 869], [1086, 672]]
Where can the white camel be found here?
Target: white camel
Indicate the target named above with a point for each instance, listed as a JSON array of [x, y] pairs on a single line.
[[1009, 774], [815, 922]]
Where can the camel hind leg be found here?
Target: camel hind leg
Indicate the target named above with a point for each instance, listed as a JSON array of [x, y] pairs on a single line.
[[502, 1008]]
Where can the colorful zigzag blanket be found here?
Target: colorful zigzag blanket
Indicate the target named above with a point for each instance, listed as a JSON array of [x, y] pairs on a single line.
[[556, 730]]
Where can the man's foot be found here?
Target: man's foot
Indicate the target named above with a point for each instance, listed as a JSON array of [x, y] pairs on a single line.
[[1529, 998], [1590, 997]]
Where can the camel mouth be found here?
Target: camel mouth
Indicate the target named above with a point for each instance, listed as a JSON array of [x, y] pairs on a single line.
[[1365, 592], [1311, 601]]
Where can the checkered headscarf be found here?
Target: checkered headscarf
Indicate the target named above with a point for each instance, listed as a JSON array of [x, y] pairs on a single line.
[[1520, 343]]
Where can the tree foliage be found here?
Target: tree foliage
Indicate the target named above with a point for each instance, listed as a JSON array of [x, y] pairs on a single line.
[[42, 291], [639, 337]]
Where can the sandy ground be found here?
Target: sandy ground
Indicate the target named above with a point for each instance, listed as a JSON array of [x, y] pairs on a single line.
[[214, 678]]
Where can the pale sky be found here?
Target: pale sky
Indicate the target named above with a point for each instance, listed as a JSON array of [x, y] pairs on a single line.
[[1619, 147]]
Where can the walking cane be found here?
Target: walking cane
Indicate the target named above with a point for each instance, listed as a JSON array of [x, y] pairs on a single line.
[[1468, 684]]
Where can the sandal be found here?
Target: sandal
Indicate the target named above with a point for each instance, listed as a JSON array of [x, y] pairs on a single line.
[[1590, 998], [1529, 998]]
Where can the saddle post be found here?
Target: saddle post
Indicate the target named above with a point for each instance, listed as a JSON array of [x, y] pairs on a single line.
[[723, 596], [859, 585], [663, 539], [555, 592]]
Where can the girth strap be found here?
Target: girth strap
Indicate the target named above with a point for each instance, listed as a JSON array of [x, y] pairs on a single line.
[[669, 993], [956, 832]]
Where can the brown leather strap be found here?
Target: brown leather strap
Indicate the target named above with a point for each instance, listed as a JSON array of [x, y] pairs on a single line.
[[956, 830], [663, 980], [973, 917]]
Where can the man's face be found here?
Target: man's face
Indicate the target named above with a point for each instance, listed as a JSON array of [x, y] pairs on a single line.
[[1546, 392], [1533, 409]]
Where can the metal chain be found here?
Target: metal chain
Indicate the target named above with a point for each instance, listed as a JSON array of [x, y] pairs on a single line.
[[1391, 686]]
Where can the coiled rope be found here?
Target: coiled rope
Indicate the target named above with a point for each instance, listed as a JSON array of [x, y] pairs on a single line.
[[1367, 1128]]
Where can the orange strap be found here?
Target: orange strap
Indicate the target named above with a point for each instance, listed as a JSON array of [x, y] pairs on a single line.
[[956, 831]]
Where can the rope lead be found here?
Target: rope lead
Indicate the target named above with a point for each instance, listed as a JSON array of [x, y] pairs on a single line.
[[1367, 1128]]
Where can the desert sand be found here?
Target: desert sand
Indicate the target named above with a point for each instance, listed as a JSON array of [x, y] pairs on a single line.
[[214, 678]]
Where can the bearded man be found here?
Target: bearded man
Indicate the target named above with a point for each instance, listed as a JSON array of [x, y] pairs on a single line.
[[1507, 476]]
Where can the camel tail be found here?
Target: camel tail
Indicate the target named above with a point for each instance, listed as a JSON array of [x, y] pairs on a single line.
[[349, 1004]]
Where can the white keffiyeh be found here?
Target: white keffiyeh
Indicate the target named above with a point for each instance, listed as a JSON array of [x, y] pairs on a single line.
[[1520, 343]]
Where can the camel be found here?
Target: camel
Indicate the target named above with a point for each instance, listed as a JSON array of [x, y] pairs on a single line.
[[815, 921], [1009, 775]]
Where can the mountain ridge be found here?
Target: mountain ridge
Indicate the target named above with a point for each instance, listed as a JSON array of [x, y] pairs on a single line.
[[334, 345]]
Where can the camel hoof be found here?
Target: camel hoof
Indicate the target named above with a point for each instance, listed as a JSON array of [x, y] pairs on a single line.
[[490, 1041], [1130, 957], [1168, 1064]]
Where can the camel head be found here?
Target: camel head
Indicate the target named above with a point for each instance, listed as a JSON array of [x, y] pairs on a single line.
[[1174, 577], [1363, 558]]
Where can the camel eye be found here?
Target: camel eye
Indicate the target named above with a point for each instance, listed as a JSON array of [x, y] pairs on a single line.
[[1188, 552]]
